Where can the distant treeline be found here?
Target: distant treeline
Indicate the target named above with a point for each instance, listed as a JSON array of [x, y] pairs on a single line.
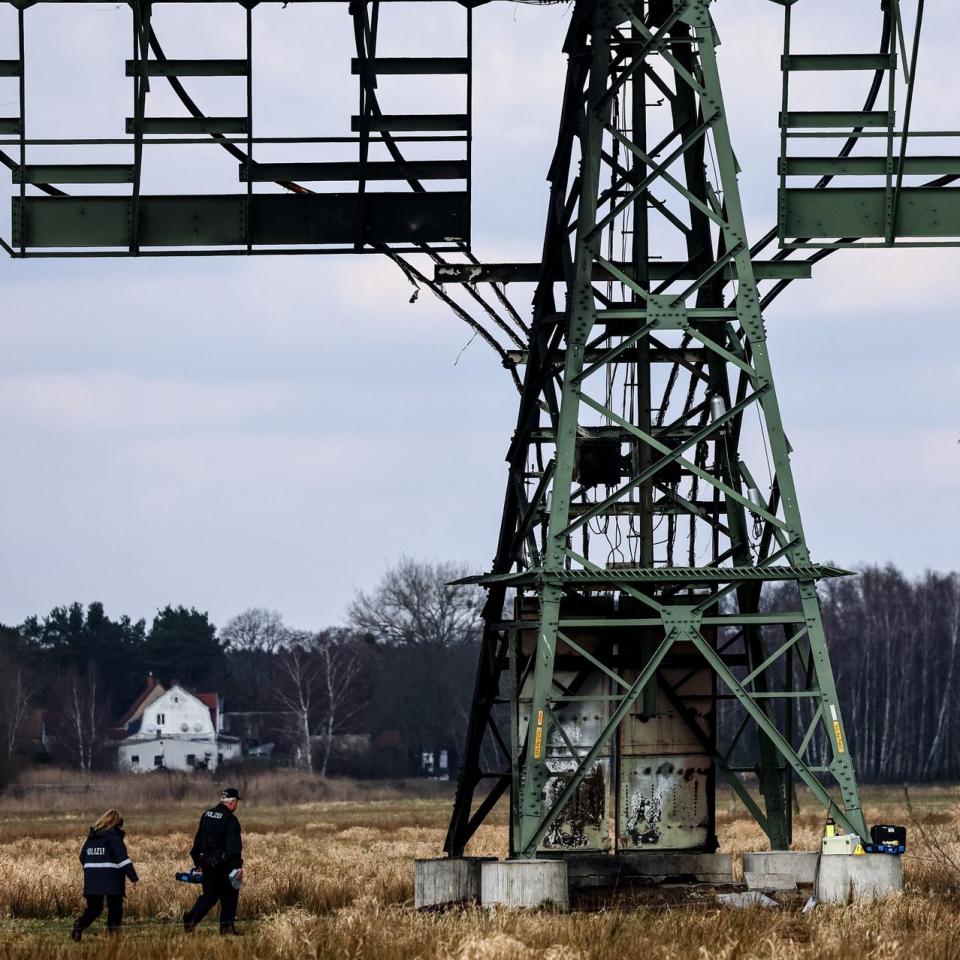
[[893, 647], [400, 674], [893, 642]]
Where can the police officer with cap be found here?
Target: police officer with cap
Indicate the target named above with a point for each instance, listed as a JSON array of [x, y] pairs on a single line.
[[218, 851]]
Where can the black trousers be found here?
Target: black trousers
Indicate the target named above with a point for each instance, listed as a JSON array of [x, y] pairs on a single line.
[[216, 887], [95, 908]]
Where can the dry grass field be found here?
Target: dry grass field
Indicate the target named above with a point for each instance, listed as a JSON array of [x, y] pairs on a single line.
[[330, 875]]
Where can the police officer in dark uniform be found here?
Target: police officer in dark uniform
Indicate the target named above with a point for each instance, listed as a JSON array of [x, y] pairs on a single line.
[[218, 852], [106, 868]]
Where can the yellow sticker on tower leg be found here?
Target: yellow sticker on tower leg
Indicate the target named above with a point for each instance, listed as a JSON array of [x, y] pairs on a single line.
[[837, 733], [538, 737]]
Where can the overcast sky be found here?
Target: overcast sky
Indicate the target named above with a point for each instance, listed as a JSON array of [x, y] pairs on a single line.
[[276, 432]]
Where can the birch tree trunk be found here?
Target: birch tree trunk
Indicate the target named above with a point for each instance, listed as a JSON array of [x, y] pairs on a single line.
[[946, 700]]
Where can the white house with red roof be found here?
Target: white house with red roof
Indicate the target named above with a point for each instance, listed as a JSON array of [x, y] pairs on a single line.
[[172, 728]]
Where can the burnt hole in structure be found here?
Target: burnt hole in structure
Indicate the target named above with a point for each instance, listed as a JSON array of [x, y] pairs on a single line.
[[584, 812], [644, 816]]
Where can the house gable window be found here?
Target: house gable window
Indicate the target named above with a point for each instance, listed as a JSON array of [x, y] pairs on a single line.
[[191, 759], [158, 760], [135, 760], [161, 719]]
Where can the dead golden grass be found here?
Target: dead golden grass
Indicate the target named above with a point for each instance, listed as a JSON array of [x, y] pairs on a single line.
[[333, 878]]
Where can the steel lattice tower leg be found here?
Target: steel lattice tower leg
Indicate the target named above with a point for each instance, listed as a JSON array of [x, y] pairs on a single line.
[[646, 396]]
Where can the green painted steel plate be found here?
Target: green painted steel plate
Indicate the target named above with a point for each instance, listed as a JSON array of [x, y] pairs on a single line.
[[222, 220], [861, 213]]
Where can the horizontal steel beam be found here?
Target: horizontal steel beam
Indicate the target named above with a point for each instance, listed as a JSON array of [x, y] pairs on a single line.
[[188, 68], [629, 508], [74, 173], [546, 434], [404, 66], [10, 68], [659, 270], [868, 166], [613, 577], [11, 125], [837, 118], [190, 125], [837, 61], [724, 620], [236, 220], [411, 121], [354, 170], [654, 355], [861, 212]]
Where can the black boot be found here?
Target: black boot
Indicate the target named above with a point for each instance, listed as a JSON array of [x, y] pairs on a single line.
[[76, 933], [188, 925], [230, 929]]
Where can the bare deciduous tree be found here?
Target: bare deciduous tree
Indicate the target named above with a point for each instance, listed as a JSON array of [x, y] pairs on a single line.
[[428, 629], [417, 603], [255, 629], [252, 640]]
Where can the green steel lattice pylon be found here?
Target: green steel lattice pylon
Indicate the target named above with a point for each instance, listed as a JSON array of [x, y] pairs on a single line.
[[609, 634]]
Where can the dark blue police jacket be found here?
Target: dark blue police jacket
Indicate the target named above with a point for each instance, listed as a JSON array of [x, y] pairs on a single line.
[[106, 864]]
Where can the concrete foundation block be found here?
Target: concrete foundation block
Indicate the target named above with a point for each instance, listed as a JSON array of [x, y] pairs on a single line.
[[768, 881], [446, 881], [795, 866], [845, 878], [525, 883]]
